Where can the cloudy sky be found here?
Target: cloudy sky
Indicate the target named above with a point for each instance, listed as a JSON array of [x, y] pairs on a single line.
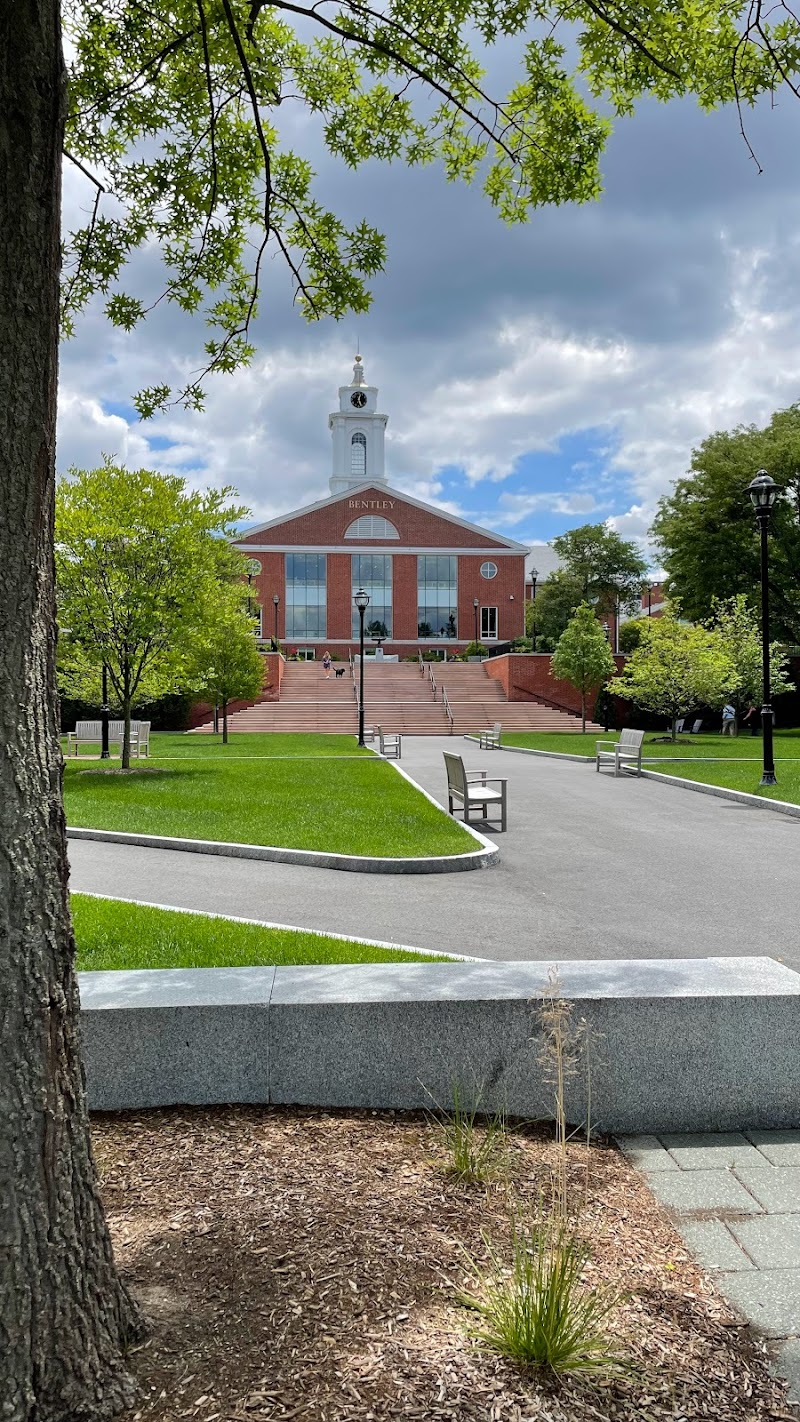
[[535, 378]]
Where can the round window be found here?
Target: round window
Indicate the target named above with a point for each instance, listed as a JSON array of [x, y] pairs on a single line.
[[488, 570]]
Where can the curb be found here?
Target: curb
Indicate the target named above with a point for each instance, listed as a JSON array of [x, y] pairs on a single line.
[[288, 927], [549, 755], [482, 858], [782, 807]]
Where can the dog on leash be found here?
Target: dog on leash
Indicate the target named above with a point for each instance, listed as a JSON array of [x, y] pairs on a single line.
[[340, 671]]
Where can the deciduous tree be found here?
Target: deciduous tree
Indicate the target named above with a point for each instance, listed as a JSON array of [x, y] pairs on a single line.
[[676, 666], [738, 627], [229, 666], [707, 535], [141, 564], [608, 568], [583, 656], [552, 608]]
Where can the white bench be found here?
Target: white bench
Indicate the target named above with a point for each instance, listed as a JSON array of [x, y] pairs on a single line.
[[390, 744], [471, 789], [490, 738], [91, 733], [625, 752]]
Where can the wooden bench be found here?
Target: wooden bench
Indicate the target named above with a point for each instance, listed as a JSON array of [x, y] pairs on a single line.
[[490, 738], [471, 789], [623, 753], [91, 733], [390, 744]]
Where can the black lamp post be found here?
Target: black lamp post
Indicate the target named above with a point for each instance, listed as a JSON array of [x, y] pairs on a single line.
[[764, 491], [534, 576], [105, 754], [361, 601], [476, 605], [275, 602]]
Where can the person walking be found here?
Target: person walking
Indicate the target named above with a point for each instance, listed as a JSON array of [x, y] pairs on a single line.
[[728, 719], [327, 664]]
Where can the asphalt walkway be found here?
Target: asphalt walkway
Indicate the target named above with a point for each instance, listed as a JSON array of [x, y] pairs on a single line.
[[591, 867]]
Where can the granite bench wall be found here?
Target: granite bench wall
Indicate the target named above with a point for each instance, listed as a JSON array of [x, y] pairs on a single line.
[[691, 1044]]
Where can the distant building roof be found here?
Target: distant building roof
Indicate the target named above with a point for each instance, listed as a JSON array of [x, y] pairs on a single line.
[[544, 559]]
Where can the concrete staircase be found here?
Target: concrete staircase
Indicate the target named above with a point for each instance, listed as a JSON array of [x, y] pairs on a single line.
[[397, 698]]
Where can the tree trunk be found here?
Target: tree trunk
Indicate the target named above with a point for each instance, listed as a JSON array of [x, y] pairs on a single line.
[[126, 713], [65, 1318], [674, 728], [224, 723], [583, 712]]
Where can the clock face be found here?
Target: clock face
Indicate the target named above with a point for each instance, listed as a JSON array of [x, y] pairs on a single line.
[[359, 399]]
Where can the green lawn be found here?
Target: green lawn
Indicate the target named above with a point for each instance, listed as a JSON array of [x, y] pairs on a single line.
[[169, 745], [741, 775], [743, 747], [112, 935], [345, 805]]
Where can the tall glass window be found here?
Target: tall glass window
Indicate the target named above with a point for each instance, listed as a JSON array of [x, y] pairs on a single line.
[[305, 596], [373, 573], [437, 595], [358, 456]]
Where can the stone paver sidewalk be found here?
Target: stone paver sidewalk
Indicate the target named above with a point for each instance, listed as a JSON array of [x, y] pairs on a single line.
[[736, 1201]]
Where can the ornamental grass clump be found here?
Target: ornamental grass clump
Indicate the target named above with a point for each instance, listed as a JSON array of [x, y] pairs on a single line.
[[536, 1307], [476, 1144]]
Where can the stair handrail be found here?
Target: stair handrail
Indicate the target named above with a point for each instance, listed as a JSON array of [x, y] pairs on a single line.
[[447, 711], [421, 662], [352, 665], [433, 679]]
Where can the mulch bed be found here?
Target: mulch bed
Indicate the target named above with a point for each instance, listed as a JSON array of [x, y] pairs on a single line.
[[303, 1266]]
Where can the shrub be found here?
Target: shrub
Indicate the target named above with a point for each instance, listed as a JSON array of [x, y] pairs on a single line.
[[630, 635], [475, 649]]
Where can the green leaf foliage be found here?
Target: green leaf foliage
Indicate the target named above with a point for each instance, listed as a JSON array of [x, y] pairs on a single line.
[[738, 627], [228, 664], [177, 116], [607, 567], [141, 564], [583, 656], [675, 667], [549, 612], [707, 532]]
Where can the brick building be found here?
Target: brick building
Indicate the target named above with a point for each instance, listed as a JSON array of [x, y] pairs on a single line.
[[433, 580]]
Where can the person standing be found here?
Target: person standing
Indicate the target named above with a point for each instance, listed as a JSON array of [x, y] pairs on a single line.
[[751, 718], [327, 664], [728, 719]]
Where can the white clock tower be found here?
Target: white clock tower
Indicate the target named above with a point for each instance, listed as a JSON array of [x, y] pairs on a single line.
[[358, 432]]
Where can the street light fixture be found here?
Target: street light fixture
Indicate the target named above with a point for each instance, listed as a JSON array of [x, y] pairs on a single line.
[[361, 600], [476, 605], [275, 602], [763, 492], [534, 576]]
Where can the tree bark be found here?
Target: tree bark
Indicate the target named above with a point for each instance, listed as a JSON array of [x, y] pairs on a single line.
[[224, 723], [65, 1318]]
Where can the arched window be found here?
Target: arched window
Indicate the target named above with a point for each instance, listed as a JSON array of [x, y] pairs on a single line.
[[372, 526], [358, 456]]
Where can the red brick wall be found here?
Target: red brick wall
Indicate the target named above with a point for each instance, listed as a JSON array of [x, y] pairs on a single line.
[[418, 527], [524, 678]]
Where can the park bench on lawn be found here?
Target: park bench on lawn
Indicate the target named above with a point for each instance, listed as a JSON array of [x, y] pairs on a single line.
[[472, 788], [490, 738], [625, 752], [91, 733], [390, 744]]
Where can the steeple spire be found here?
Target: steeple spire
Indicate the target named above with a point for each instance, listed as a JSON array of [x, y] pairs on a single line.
[[358, 373], [358, 430]]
